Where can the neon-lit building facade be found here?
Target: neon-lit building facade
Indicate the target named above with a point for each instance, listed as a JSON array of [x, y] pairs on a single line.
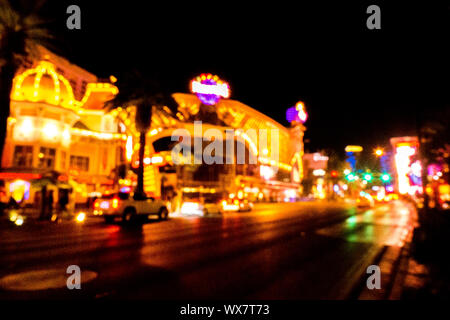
[[255, 181], [315, 168], [266, 179], [58, 127], [408, 168]]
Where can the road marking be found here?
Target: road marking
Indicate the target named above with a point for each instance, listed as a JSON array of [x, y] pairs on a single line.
[[41, 280]]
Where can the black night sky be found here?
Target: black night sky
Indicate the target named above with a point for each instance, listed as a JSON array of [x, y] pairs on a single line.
[[360, 86]]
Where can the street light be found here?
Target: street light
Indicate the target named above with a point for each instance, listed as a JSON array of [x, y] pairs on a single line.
[[379, 152]]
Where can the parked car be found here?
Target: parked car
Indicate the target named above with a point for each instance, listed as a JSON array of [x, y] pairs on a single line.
[[128, 207]]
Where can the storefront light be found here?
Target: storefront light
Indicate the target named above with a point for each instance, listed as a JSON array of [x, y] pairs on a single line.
[[318, 172], [20, 190], [153, 132], [66, 137], [26, 128], [50, 130], [266, 172], [157, 159]]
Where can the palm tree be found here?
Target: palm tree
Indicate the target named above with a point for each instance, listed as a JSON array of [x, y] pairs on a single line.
[[144, 94], [20, 33]]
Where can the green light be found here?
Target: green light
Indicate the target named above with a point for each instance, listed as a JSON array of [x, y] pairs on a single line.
[[368, 177], [350, 177], [385, 177], [351, 221]]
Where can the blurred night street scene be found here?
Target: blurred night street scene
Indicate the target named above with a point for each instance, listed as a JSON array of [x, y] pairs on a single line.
[[166, 151]]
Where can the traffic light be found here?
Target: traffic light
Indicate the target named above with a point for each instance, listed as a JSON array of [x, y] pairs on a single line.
[[334, 174], [350, 177], [368, 177], [385, 177]]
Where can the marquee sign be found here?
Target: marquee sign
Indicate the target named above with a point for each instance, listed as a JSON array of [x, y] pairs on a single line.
[[210, 89]]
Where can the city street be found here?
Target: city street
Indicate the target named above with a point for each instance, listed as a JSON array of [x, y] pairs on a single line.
[[306, 250]]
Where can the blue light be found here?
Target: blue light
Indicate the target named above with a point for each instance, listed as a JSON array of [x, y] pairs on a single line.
[[292, 115], [125, 190]]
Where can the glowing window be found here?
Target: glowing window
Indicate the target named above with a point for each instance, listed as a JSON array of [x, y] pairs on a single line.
[[23, 156], [47, 158], [79, 163]]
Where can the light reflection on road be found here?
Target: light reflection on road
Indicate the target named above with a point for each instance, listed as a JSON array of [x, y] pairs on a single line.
[[284, 251], [388, 225]]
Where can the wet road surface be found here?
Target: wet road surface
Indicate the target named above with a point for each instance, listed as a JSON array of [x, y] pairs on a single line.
[[308, 250]]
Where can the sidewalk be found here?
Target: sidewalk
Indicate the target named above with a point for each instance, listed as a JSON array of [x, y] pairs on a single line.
[[429, 263], [401, 274], [418, 270], [394, 264]]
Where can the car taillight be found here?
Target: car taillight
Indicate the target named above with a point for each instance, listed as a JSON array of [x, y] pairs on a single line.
[[115, 203]]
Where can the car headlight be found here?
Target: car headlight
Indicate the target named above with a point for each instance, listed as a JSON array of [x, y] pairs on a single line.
[[13, 215], [81, 217], [19, 221], [192, 208]]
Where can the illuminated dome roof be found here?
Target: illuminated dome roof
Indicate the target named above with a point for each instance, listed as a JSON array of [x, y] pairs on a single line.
[[43, 84]]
